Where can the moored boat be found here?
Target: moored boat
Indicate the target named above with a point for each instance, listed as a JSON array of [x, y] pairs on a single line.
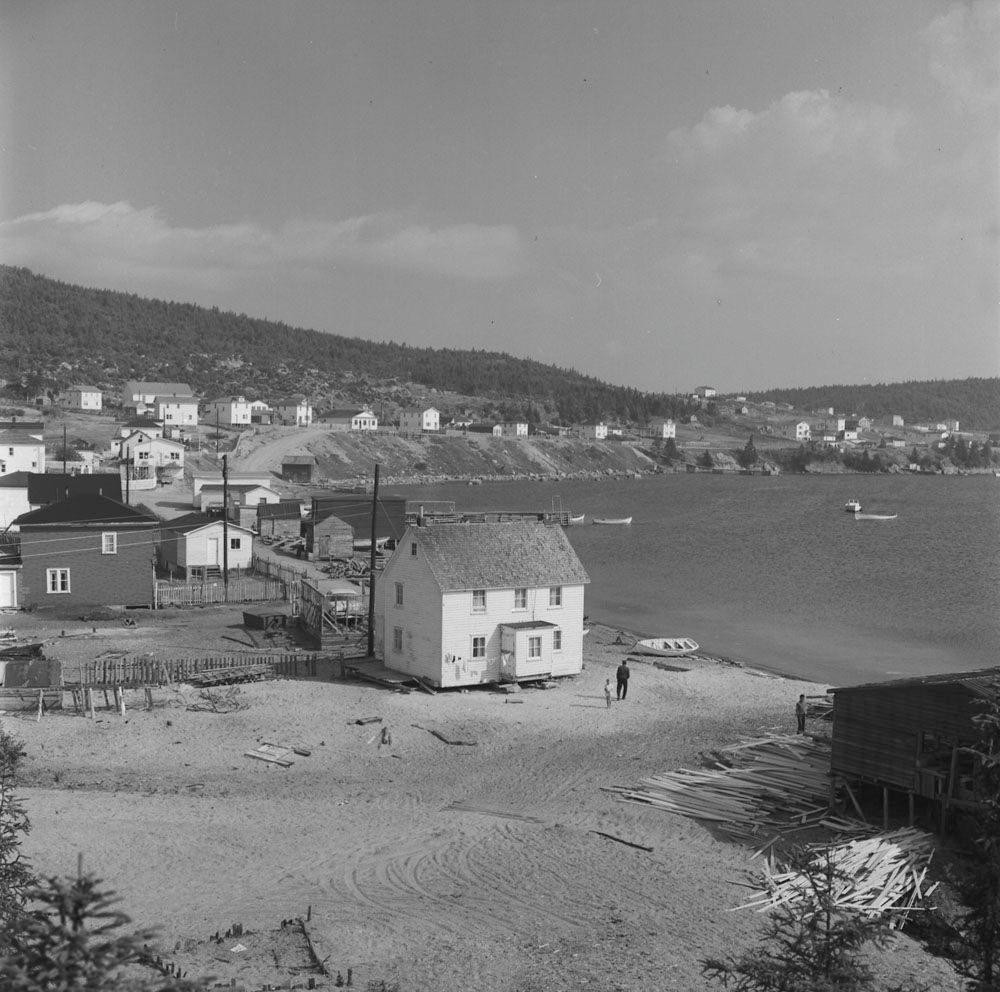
[[572, 521], [853, 506], [858, 515], [612, 520], [666, 647]]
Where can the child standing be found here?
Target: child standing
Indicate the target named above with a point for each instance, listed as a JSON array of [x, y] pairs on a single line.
[[607, 691]]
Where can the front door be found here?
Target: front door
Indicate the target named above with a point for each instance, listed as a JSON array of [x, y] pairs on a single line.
[[8, 590], [213, 561]]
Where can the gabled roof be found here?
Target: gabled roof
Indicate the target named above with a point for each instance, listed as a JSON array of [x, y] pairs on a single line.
[[982, 682], [346, 413], [175, 398], [195, 521], [28, 426], [497, 556], [298, 460], [292, 401], [28, 438], [86, 509], [51, 487], [235, 487], [284, 510], [159, 388], [14, 480]]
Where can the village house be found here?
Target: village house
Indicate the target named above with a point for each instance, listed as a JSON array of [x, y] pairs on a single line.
[[200, 479], [240, 494], [13, 497], [146, 451], [83, 398], [176, 412], [352, 419], [135, 393], [597, 432], [261, 413], [230, 411], [87, 550], [22, 447], [51, 487], [294, 410], [198, 546], [147, 425], [467, 604], [803, 432], [664, 429], [705, 392], [907, 741], [512, 429], [416, 421]]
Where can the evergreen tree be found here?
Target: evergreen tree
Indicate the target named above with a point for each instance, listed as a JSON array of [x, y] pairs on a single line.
[[15, 874]]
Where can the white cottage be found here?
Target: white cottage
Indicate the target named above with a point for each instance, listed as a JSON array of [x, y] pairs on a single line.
[[416, 421], [83, 398], [230, 411], [465, 604], [197, 546]]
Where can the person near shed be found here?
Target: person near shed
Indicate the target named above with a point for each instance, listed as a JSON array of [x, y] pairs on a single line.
[[622, 675], [607, 691], [800, 714]]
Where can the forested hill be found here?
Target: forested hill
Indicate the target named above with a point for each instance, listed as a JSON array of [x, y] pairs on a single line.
[[55, 335], [974, 403], [63, 334]]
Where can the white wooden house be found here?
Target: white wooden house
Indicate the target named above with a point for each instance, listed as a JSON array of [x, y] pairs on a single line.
[[465, 604], [598, 432], [240, 494], [416, 421], [803, 432], [230, 411], [296, 410], [664, 429], [142, 450], [193, 546], [22, 449], [353, 419], [176, 411], [200, 479], [136, 393], [83, 398], [513, 429]]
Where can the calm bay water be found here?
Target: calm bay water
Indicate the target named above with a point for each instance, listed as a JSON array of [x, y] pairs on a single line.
[[772, 572]]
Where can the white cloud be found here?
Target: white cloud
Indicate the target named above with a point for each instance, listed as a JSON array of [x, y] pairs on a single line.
[[963, 46], [802, 127], [119, 237]]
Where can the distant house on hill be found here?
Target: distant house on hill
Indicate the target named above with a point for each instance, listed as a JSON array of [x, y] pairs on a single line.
[[136, 394], [597, 432], [352, 419], [293, 410], [467, 604], [22, 447], [230, 411], [705, 392], [416, 421], [83, 398], [664, 429]]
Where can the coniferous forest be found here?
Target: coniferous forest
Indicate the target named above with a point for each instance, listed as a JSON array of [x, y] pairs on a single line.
[[55, 335]]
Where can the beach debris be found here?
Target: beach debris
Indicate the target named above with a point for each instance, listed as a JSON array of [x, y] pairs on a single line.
[[441, 737], [621, 840], [879, 875], [368, 719], [467, 806], [754, 786], [272, 753]]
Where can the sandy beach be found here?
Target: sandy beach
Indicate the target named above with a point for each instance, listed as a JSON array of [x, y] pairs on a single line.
[[480, 865]]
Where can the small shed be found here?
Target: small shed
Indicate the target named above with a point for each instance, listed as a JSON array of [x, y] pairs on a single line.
[[195, 546], [329, 537], [911, 738], [298, 468], [276, 521]]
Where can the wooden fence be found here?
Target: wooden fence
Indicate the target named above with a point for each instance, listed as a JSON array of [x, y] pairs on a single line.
[[247, 589], [145, 671]]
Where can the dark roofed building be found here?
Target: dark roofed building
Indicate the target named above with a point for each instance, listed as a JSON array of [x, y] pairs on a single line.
[[910, 738], [87, 550], [52, 487], [298, 468]]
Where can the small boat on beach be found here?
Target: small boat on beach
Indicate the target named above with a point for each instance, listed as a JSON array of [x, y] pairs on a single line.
[[613, 520], [666, 647]]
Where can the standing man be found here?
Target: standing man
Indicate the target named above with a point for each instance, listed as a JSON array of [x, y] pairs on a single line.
[[622, 675], [800, 714]]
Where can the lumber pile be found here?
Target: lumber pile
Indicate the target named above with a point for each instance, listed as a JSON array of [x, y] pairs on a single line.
[[755, 786], [879, 875]]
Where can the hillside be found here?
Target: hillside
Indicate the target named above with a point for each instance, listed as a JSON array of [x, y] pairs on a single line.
[[55, 335]]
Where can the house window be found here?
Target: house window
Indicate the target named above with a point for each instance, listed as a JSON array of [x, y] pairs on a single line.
[[397, 639], [534, 648], [399, 593], [234, 543], [478, 647], [143, 456], [413, 549], [109, 543], [555, 596], [57, 579], [478, 600], [557, 640], [520, 599]]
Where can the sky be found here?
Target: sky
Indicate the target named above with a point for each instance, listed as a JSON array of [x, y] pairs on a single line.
[[660, 193]]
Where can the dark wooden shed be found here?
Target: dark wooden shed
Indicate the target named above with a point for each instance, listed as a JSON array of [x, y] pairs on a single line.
[[279, 520], [298, 468], [912, 737], [355, 509]]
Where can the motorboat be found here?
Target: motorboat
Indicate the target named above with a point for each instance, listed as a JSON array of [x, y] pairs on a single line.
[[572, 521], [858, 515], [613, 520], [666, 647], [853, 506]]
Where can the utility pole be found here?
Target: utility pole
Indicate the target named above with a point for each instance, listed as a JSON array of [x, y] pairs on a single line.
[[225, 525], [371, 573]]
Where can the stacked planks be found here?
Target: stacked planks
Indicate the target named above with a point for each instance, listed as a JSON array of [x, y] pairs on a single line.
[[754, 786], [882, 875]]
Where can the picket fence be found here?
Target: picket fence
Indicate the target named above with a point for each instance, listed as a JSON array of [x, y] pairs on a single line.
[[146, 671], [251, 589]]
